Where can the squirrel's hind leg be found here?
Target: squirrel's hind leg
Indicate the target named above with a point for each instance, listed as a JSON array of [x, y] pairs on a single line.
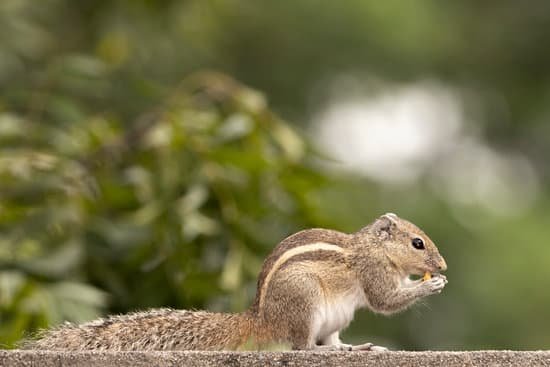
[[289, 305]]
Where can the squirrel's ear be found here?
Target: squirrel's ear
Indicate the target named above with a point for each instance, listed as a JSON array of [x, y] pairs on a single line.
[[391, 216], [382, 226]]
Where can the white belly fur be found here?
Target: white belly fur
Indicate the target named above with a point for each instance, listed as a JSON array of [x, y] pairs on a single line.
[[336, 313]]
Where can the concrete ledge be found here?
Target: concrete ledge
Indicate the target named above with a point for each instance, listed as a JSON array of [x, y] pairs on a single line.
[[299, 358]]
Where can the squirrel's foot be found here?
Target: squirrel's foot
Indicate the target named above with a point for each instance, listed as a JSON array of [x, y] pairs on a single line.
[[334, 347], [341, 347], [368, 347]]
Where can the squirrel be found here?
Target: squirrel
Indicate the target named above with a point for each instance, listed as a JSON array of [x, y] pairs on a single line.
[[308, 290]]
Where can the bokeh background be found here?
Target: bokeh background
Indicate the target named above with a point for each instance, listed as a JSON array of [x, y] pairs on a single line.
[[153, 152]]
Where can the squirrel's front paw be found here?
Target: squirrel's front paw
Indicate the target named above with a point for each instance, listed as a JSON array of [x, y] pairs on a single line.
[[436, 284]]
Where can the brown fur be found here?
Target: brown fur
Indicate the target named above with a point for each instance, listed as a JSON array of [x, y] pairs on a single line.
[[296, 240]]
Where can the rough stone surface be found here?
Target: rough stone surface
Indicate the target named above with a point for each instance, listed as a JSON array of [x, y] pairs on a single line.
[[298, 358]]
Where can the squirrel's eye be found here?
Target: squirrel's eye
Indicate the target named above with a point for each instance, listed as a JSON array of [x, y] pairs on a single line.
[[418, 243]]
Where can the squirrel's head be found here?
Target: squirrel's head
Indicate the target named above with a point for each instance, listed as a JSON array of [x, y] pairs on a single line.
[[405, 245]]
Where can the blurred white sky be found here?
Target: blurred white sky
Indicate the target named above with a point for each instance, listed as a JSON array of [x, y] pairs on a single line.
[[402, 133]]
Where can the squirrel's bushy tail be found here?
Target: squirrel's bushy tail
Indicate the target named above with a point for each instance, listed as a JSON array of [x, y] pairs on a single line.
[[162, 329]]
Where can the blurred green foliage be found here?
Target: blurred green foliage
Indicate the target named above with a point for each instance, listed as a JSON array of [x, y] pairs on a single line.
[[176, 210], [128, 180]]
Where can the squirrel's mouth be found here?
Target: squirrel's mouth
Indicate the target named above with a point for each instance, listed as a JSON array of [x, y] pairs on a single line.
[[424, 275], [418, 272], [429, 268], [422, 271]]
